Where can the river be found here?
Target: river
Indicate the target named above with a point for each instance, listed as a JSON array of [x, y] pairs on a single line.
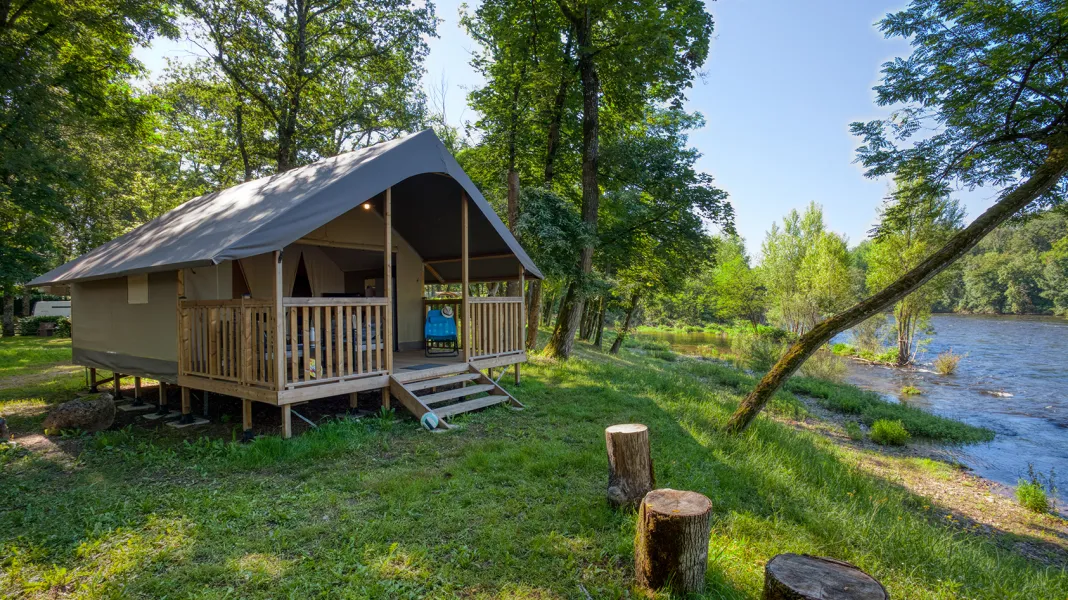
[[1012, 380]]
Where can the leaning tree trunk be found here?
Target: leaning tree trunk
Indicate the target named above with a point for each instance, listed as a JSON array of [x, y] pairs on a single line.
[[804, 577], [625, 328], [630, 464], [562, 341], [1042, 180], [671, 544]]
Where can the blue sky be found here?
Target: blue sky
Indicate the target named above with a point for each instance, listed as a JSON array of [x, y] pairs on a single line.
[[782, 83]]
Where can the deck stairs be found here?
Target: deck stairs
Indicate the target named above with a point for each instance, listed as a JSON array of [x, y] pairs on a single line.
[[447, 391]]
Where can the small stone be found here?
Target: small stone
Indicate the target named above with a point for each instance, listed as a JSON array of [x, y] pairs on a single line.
[[90, 414]]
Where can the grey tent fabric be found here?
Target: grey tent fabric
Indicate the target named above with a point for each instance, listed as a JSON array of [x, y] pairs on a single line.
[[270, 213]]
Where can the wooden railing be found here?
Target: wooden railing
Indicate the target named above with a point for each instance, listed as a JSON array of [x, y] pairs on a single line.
[[336, 338], [496, 326], [325, 340], [229, 340]]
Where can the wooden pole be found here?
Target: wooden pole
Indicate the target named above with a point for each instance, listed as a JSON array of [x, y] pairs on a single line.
[[187, 408], [116, 382], [287, 422], [137, 388], [162, 399], [92, 380], [630, 465], [279, 348], [465, 277], [804, 577], [246, 415], [522, 318], [671, 544], [387, 260]]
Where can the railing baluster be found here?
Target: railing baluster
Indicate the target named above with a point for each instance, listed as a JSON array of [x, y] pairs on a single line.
[[351, 332]]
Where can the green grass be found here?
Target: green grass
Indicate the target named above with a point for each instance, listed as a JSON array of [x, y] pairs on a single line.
[[870, 407], [1032, 496], [889, 433], [511, 505], [20, 355]]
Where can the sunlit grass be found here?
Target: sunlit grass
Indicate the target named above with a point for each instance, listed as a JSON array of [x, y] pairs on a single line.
[[19, 355]]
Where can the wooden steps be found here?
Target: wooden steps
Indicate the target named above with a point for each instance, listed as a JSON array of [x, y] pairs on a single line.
[[420, 393]]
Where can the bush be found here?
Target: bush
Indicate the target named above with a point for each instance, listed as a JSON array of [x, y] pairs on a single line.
[[825, 365], [853, 431], [1032, 496], [30, 325], [889, 433], [667, 355], [755, 351], [946, 362], [910, 390]]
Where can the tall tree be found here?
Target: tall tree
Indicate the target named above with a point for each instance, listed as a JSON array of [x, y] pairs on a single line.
[[990, 78], [327, 75], [617, 63], [914, 224], [65, 71]]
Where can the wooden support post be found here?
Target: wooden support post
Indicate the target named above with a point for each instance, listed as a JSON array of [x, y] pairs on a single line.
[[92, 380], [387, 280], [116, 382], [804, 577], [187, 408], [353, 400], [162, 398], [287, 421], [279, 328], [465, 278], [671, 545], [181, 323], [630, 466], [246, 414], [137, 388], [522, 317]]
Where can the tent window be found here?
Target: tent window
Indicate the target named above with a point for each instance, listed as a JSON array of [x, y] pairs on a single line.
[[137, 289], [302, 285]]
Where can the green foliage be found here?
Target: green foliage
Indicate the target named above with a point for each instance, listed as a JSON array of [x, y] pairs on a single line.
[[30, 325], [756, 352], [1055, 274], [853, 431], [946, 362], [1033, 492], [911, 390], [666, 355], [889, 433], [824, 365]]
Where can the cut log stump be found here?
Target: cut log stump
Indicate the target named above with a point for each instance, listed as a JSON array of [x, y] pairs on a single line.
[[804, 577], [671, 545], [630, 467]]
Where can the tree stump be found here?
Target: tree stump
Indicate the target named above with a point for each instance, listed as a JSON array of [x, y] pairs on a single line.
[[804, 577], [671, 545], [630, 467]]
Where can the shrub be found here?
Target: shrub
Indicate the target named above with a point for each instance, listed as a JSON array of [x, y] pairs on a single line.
[[910, 390], [30, 325], [853, 430], [755, 351], [1033, 493], [946, 362], [1032, 496], [63, 327], [825, 365], [667, 355], [889, 433]]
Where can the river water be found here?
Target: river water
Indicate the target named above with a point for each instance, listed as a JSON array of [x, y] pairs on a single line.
[[1013, 380]]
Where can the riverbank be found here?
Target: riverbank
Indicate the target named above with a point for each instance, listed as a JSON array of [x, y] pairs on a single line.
[[511, 504]]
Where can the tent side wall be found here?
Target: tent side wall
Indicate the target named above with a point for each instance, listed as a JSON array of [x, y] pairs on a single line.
[[135, 339]]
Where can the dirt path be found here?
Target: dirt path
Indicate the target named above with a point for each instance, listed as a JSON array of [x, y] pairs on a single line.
[[49, 372]]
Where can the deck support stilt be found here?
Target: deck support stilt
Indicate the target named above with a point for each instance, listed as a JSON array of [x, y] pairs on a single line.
[[117, 385], [187, 409], [287, 422], [138, 400], [246, 420], [385, 398], [352, 400], [92, 380], [162, 399]]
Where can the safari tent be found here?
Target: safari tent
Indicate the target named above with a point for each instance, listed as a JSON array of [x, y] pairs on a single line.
[[310, 284]]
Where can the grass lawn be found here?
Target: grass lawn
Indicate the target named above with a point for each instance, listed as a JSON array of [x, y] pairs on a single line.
[[20, 355], [510, 505]]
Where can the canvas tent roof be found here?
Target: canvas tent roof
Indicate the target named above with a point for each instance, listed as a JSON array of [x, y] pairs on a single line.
[[272, 212]]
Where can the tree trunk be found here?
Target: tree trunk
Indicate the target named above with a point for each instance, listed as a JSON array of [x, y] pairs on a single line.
[[804, 577], [239, 133], [625, 328], [533, 313], [630, 466], [600, 322], [555, 119], [586, 327], [27, 301], [562, 341], [513, 215], [1042, 180], [9, 314], [671, 545]]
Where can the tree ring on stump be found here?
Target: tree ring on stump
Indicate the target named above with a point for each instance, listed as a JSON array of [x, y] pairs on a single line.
[[676, 503], [805, 577], [627, 428]]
